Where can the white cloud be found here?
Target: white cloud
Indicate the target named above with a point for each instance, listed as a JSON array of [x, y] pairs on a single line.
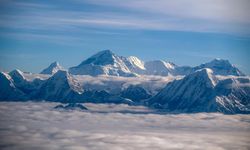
[[216, 10], [220, 16], [30, 125]]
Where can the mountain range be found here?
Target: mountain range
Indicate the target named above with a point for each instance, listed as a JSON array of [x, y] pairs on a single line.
[[216, 86], [108, 63], [202, 91]]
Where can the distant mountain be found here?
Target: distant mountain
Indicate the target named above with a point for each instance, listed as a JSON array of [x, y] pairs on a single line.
[[23, 84], [159, 67], [220, 67], [59, 87], [202, 91], [103, 63], [52, 69], [107, 63]]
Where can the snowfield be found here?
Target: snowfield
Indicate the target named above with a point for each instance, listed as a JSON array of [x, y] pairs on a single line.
[[31, 125]]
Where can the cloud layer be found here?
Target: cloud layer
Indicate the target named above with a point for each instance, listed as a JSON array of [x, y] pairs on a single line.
[[30, 125], [220, 16]]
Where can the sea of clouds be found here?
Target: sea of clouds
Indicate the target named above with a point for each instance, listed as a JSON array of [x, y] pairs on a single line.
[[31, 125]]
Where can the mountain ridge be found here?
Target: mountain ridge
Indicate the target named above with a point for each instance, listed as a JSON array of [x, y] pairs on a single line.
[[108, 63], [203, 91]]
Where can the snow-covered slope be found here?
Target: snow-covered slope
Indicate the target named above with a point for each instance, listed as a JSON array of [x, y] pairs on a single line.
[[202, 91], [103, 63], [52, 69], [18, 77], [220, 67], [135, 65], [8, 90], [159, 67], [60, 87], [26, 86]]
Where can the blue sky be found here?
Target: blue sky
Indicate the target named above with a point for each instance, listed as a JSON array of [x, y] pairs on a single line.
[[187, 32]]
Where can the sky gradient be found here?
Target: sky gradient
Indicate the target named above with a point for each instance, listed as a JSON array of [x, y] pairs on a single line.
[[187, 32]]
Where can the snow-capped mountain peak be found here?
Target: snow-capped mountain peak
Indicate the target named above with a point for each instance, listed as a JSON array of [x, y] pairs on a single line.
[[193, 92], [106, 52], [8, 90], [108, 63], [221, 67], [64, 76], [206, 74], [203, 91], [219, 62], [53, 68], [103, 63], [105, 57], [61, 74], [59, 86]]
